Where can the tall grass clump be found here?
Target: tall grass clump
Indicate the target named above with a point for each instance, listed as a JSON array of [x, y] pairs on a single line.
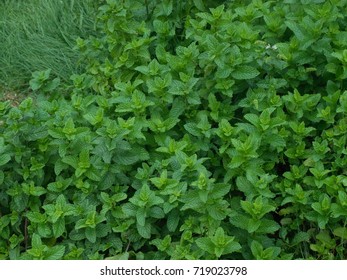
[[39, 34]]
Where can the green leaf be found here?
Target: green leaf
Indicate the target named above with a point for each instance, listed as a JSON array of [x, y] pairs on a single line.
[[301, 237], [144, 231], [253, 119], [84, 161], [245, 73], [102, 230], [36, 240], [156, 212], [92, 174], [59, 166], [257, 249], [247, 206], [297, 30], [200, 5], [2, 177], [217, 211], [71, 160], [219, 237], [141, 216], [205, 244], [55, 253], [173, 220], [192, 129], [36, 217], [69, 127], [77, 235], [220, 190], [126, 158], [231, 247], [268, 226], [130, 209], [90, 234], [58, 227], [341, 232], [191, 201], [4, 159], [253, 225], [44, 230]]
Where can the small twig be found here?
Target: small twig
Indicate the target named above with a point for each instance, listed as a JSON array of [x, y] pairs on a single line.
[[127, 248], [147, 10], [26, 233]]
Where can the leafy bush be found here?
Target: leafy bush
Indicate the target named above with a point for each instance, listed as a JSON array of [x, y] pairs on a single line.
[[198, 131]]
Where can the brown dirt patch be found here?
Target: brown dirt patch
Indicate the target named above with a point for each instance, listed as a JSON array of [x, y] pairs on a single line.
[[14, 97]]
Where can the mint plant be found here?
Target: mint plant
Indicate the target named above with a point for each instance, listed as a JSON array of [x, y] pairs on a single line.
[[199, 130]]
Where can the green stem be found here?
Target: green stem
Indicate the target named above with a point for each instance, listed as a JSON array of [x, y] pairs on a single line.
[[147, 10]]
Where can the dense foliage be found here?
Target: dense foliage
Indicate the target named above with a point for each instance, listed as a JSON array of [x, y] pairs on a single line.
[[199, 130], [40, 34]]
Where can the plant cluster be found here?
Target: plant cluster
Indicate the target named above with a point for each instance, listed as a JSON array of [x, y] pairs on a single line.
[[199, 130], [40, 34]]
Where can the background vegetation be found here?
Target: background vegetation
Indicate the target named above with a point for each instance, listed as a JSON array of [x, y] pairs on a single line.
[[196, 130], [40, 34]]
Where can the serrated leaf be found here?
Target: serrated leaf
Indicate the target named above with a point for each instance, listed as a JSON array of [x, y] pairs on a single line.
[[84, 161], [301, 237], [223, 73], [38, 191], [58, 227], [35, 217], [216, 212], [2, 177], [220, 190], [69, 127], [253, 119], [253, 225], [244, 185], [236, 161], [44, 230], [239, 221], [192, 129], [156, 212], [143, 69], [245, 73], [102, 230], [144, 231], [90, 234], [205, 244], [55, 253], [177, 108], [70, 160], [341, 232], [93, 175], [257, 249], [297, 30], [38, 133], [277, 141], [141, 216], [4, 159], [231, 247], [129, 209], [191, 201], [36, 240], [268, 226], [77, 235], [199, 4], [126, 158], [172, 220]]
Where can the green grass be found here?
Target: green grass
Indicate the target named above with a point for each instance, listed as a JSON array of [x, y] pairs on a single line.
[[39, 34]]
